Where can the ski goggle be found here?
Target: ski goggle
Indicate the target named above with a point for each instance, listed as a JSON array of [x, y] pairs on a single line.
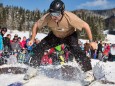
[[55, 13]]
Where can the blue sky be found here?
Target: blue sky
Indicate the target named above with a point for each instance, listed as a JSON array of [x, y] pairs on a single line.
[[70, 4]]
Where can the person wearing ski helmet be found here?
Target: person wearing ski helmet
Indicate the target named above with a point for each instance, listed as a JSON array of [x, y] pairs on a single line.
[[57, 6], [63, 26]]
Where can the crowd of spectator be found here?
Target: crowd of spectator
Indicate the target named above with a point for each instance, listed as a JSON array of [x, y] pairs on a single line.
[[104, 52], [17, 50]]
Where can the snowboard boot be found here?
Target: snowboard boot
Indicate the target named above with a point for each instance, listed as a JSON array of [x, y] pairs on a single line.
[[31, 72]]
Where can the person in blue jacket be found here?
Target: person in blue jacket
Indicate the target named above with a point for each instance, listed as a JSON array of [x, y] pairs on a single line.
[[3, 31]]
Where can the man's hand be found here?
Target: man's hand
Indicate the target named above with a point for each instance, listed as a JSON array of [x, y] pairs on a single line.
[[93, 45], [30, 43]]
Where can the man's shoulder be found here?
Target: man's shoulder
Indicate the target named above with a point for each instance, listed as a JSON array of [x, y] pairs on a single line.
[[70, 14]]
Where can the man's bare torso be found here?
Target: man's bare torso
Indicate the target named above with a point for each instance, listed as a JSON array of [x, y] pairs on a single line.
[[65, 27]]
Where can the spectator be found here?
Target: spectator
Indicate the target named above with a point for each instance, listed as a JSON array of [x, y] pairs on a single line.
[[3, 31], [24, 42], [99, 50], [29, 48], [21, 56], [45, 58], [16, 36], [87, 49], [19, 40], [7, 43], [15, 45], [112, 53]]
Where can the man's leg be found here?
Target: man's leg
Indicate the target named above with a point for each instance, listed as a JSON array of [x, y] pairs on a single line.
[[80, 55], [48, 42]]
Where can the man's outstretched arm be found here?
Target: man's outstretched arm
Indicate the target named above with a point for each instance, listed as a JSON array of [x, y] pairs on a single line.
[[34, 31], [88, 31]]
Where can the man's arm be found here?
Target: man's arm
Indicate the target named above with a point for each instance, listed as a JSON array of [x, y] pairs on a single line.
[[39, 24], [34, 31], [88, 31]]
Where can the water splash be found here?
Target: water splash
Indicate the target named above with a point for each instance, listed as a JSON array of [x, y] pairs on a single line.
[[68, 72], [99, 71]]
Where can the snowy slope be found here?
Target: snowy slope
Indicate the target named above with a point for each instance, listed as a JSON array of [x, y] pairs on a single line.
[[108, 69]]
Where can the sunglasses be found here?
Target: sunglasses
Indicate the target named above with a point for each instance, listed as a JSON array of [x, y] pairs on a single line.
[[55, 13]]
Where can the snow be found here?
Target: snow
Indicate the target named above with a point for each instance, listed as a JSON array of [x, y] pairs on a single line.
[[13, 65], [105, 70], [42, 80], [110, 38], [108, 69], [40, 36]]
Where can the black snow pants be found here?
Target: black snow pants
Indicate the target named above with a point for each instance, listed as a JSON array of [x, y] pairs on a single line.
[[51, 41]]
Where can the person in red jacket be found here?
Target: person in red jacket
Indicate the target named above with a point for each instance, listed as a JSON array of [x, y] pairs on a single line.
[[24, 42], [45, 59]]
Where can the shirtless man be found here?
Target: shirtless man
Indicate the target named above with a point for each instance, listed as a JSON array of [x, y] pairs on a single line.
[[63, 25]]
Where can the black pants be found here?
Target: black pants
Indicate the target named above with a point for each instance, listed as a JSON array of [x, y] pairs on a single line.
[[51, 41]]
